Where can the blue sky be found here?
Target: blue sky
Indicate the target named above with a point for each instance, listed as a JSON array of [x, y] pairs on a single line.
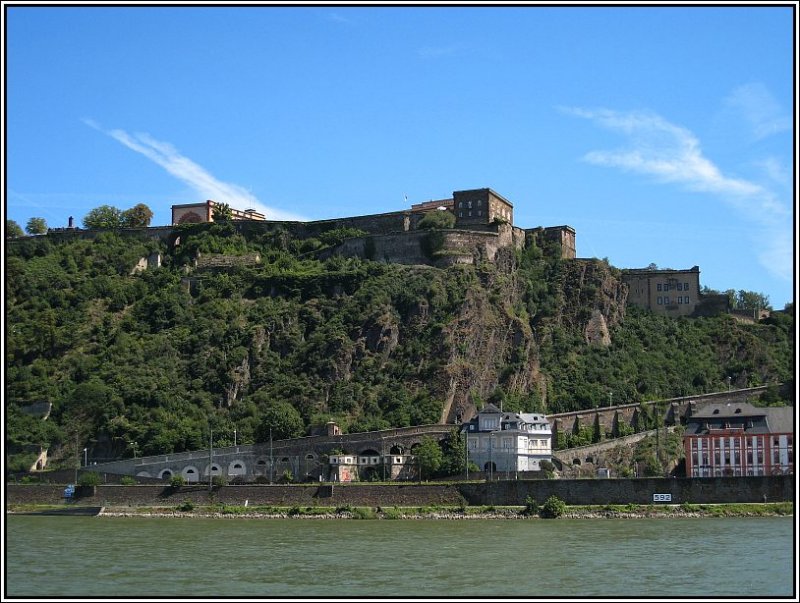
[[661, 134]]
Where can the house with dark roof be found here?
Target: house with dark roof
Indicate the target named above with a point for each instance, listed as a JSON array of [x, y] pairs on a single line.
[[508, 441], [723, 439]]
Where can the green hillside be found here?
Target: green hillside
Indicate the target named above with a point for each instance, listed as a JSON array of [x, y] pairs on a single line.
[[155, 357]]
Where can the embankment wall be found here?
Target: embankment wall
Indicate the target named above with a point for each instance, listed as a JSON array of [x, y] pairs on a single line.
[[513, 492]]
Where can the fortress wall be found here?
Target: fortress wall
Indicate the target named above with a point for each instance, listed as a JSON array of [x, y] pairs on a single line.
[[458, 246]]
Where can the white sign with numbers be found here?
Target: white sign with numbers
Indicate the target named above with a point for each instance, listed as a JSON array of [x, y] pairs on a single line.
[[662, 497]]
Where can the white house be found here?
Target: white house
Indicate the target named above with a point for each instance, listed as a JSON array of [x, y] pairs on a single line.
[[508, 441]]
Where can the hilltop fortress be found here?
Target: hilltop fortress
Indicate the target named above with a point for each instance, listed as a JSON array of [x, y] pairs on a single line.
[[483, 225], [482, 228]]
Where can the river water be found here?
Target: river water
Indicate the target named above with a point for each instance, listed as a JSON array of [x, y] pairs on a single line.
[[141, 557]]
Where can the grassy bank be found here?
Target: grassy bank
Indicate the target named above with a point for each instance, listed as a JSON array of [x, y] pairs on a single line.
[[632, 511]]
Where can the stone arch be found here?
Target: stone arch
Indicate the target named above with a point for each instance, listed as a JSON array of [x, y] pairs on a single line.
[[311, 456], [237, 467], [576, 461], [589, 459], [397, 449], [489, 467], [190, 217], [414, 447], [165, 474], [215, 470], [369, 452], [191, 473]]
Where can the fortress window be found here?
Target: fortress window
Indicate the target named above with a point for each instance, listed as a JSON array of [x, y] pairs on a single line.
[[680, 299], [461, 214], [680, 287], [461, 204], [470, 213], [685, 286], [479, 212], [469, 204], [686, 300], [660, 300], [658, 286]]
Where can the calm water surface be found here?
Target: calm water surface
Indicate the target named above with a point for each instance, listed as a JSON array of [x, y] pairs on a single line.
[[140, 557]]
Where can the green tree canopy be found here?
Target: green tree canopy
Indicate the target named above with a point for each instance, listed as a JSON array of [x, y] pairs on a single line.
[[429, 456], [105, 216], [454, 461], [13, 229], [437, 219], [284, 421], [138, 216], [36, 226], [222, 213]]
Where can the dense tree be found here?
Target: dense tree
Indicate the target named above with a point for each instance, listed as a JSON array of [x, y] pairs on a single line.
[[138, 216], [282, 420], [752, 300], [438, 219], [429, 457], [454, 459], [105, 216], [742, 299], [36, 226], [222, 213], [13, 230]]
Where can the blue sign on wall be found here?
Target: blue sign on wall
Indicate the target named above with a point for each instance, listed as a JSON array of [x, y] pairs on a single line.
[[69, 491]]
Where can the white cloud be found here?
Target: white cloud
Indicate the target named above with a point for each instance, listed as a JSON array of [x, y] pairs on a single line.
[[776, 171], [192, 174], [672, 154], [339, 18], [760, 109]]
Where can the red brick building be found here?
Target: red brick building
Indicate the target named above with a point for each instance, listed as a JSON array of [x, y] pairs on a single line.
[[739, 439]]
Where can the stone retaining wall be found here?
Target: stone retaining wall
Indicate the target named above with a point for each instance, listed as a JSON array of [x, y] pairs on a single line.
[[513, 492]]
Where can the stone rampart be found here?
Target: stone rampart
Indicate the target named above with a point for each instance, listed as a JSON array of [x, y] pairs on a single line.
[[303, 457], [675, 410], [756, 489]]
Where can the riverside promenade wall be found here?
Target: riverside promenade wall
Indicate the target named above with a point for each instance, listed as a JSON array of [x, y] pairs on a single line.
[[514, 492]]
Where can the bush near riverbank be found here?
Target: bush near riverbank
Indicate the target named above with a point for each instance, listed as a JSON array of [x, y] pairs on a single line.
[[631, 511]]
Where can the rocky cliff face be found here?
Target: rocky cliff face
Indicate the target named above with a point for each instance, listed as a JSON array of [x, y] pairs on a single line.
[[490, 345]]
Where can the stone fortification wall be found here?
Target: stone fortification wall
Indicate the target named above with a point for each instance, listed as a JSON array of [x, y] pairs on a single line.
[[439, 248], [575, 492], [399, 221], [675, 410]]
